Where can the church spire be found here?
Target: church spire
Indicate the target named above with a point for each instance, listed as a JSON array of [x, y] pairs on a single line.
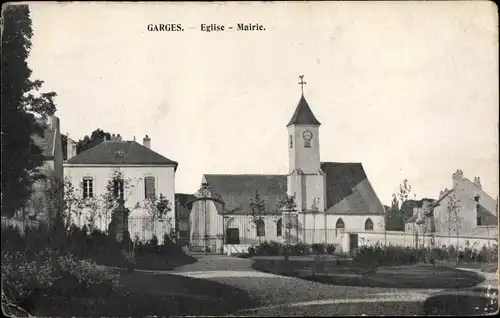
[[303, 114]]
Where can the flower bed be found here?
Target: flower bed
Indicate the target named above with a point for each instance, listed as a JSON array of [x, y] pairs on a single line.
[[398, 255], [277, 249]]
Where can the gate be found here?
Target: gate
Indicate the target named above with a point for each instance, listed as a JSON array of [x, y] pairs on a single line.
[[205, 233]]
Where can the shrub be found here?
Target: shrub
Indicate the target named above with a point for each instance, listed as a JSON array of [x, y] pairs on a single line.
[[318, 248], [330, 248]]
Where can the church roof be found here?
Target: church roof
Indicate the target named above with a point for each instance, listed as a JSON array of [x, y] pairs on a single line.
[[303, 114], [348, 191], [120, 152], [238, 190]]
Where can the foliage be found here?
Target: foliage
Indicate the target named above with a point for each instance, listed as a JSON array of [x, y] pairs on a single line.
[[96, 137], [20, 155], [399, 255], [27, 276], [275, 249]]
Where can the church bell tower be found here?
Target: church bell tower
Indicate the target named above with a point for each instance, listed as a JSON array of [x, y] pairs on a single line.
[[306, 180]]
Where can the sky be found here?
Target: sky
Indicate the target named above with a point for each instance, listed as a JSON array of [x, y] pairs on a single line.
[[410, 89]]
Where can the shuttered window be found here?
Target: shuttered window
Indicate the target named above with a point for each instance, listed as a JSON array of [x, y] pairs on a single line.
[[149, 188], [118, 188], [88, 187]]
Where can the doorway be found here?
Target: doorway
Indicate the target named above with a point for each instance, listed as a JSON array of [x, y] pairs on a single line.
[[233, 236]]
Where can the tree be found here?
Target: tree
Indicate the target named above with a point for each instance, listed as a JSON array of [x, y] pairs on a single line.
[[20, 155], [314, 211], [454, 221], [158, 209], [288, 206], [118, 187], [258, 207], [96, 137]]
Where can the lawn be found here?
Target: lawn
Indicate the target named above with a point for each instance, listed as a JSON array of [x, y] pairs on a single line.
[[348, 273], [143, 294]]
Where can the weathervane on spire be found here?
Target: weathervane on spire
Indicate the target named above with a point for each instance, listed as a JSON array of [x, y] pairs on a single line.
[[302, 83]]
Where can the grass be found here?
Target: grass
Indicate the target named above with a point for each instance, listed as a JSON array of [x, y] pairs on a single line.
[[348, 273], [143, 294]]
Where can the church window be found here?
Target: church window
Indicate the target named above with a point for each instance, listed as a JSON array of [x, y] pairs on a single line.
[[291, 141], [340, 224], [149, 188], [369, 224], [279, 227], [88, 187], [261, 227], [118, 188]]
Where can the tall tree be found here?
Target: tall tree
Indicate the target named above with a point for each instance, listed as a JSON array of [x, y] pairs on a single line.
[[96, 137], [20, 155]]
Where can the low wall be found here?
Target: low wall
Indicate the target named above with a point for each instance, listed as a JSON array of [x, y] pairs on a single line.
[[412, 240]]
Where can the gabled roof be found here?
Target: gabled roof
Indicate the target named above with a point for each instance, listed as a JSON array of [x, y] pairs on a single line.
[[46, 142], [303, 115], [348, 191], [121, 152], [237, 191]]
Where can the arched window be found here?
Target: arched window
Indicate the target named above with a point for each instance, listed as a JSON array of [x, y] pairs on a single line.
[[261, 227], [340, 224], [279, 227], [369, 225]]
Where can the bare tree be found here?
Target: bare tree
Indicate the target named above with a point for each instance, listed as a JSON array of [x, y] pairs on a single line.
[[314, 211], [288, 206], [258, 207], [454, 221], [158, 209]]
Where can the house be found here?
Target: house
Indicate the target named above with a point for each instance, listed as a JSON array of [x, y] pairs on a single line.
[[465, 208], [47, 192], [329, 198], [122, 169], [421, 220]]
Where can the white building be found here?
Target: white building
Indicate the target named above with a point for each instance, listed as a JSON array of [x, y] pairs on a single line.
[[143, 172]]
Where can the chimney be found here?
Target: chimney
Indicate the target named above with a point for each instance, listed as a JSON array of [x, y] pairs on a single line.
[[146, 142], [53, 122], [70, 149], [457, 177], [477, 182]]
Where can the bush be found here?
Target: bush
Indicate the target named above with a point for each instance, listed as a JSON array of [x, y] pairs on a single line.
[[330, 249], [27, 277], [318, 248]]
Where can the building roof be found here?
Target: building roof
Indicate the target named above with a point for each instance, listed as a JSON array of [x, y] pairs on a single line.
[[119, 152], [303, 115], [237, 191], [183, 198], [46, 142], [487, 217], [348, 190]]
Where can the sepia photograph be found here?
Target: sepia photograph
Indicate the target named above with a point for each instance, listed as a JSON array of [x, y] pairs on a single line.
[[266, 158]]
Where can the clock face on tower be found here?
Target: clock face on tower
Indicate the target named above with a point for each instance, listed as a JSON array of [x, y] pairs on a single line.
[[307, 135]]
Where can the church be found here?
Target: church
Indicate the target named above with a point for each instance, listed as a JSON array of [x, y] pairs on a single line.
[[328, 198]]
